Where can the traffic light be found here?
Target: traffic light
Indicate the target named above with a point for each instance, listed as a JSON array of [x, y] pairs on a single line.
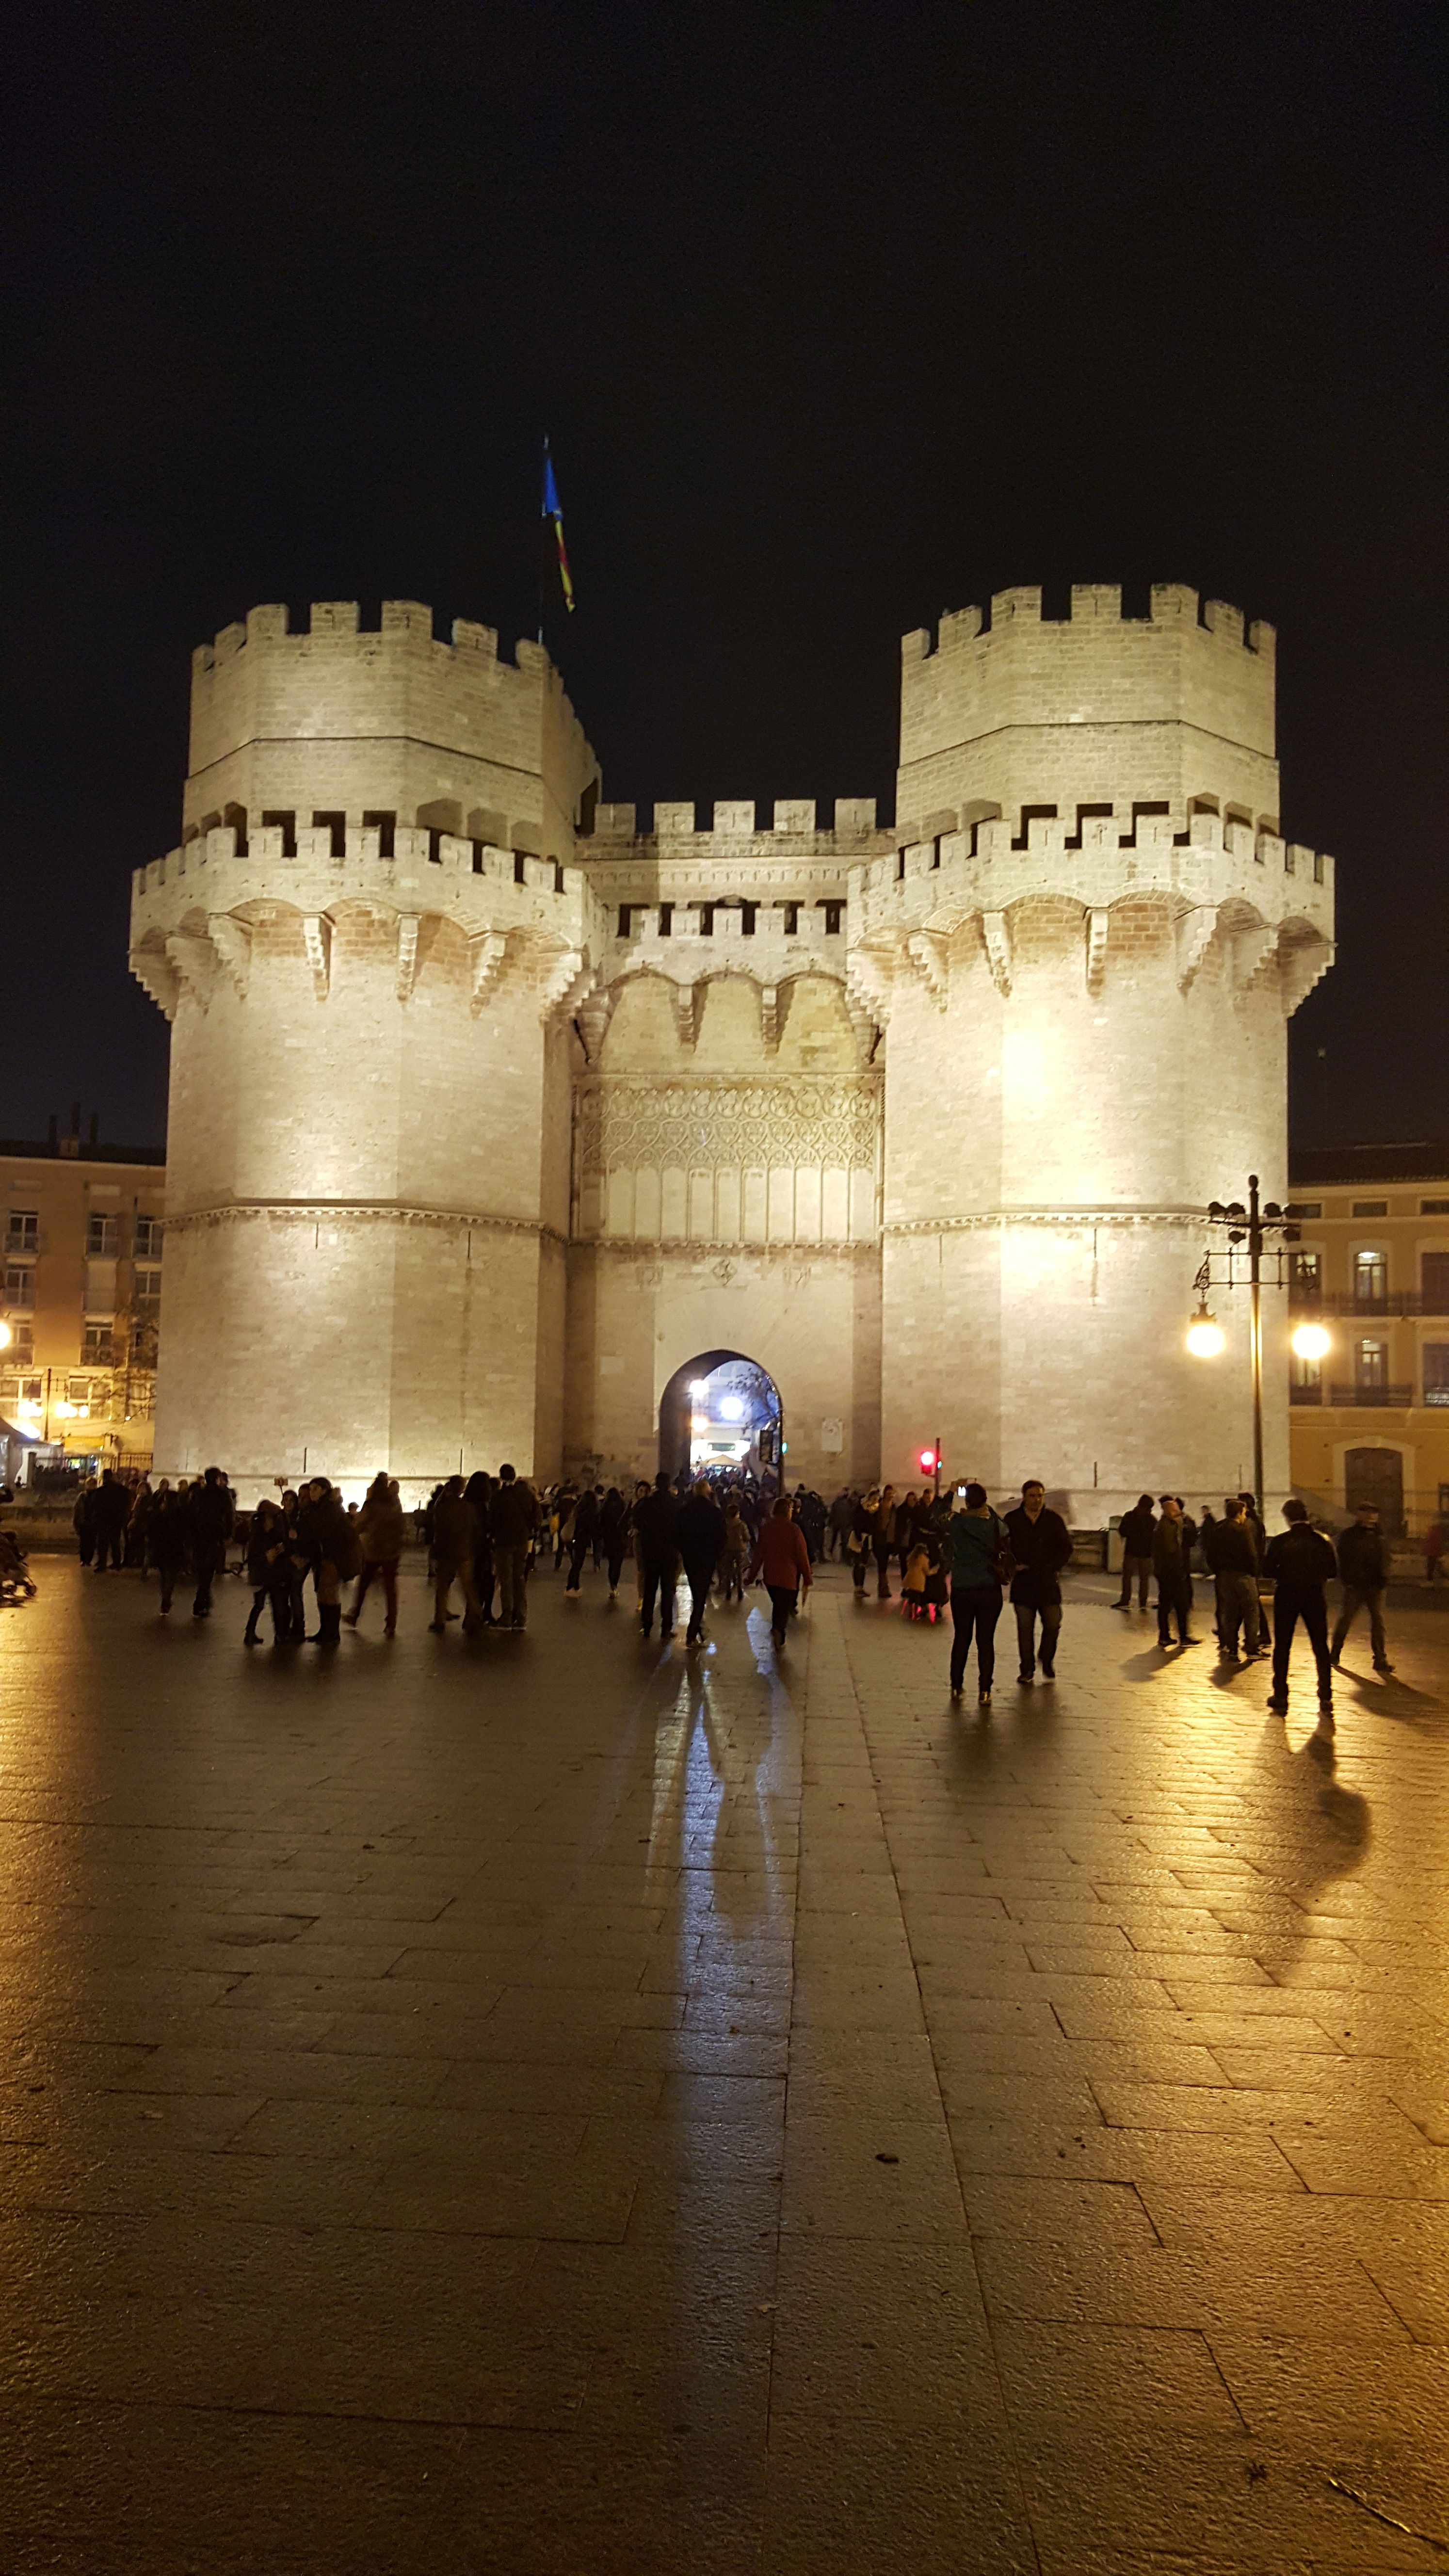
[[929, 1461]]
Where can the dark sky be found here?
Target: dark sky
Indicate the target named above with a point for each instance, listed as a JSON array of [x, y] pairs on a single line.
[[839, 315]]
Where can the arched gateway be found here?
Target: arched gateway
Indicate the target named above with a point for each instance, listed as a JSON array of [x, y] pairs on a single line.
[[721, 1411]]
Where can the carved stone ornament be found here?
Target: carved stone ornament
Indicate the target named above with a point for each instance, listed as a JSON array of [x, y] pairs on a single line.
[[631, 1122]]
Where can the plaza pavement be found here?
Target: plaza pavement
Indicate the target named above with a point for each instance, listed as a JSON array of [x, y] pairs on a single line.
[[543, 2106]]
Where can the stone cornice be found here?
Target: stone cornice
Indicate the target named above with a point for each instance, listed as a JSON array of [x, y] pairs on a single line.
[[981, 1219], [375, 1211]]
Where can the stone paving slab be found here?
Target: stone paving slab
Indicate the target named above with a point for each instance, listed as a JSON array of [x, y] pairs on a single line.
[[551, 2106]]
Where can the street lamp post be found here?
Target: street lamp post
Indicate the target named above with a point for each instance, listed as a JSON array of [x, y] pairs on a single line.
[[1252, 1225]]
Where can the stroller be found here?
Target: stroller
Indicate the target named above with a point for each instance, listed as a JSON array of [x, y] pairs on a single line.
[[16, 1582]]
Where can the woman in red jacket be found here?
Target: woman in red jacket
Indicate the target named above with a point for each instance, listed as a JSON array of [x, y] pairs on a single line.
[[783, 1558]]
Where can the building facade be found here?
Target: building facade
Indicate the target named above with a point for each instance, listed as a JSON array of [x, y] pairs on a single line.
[[82, 1299], [502, 1118], [1370, 1420]]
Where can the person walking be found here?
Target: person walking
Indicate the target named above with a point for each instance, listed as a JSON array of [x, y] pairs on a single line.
[[1041, 1545], [656, 1531], [268, 1572], [701, 1545], [979, 1560], [1300, 1560], [479, 1492], [883, 1539], [512, 1525], [614, 1537], [842, 1515], [381, 1534], [783, 1559], [1259, 1537], [1232, 1561], [212, 1515], [140, 1513], [1174, 1580], [325, 1534], [1136, 1535], [1363, 1570], [861, 1539], [167, 1541], [582, 1534], [83, 1522], [455, 1547], [110, 1511], [735, 1552]]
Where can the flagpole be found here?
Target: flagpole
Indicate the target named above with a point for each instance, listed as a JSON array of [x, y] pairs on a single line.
[[543, 496]]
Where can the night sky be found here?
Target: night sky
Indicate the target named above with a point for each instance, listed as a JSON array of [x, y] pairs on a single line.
[[838, 316]]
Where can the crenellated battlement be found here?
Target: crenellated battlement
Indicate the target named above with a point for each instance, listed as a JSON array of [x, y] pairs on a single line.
[[339, 718], [846, 826], [1004, 708]]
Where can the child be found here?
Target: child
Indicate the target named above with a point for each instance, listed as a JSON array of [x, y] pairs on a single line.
[[917, 1576]]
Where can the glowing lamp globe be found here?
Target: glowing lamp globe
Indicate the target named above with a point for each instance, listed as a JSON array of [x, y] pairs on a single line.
[[4, 1336], [1312, 1342], [1205, 1335], [731, 1408]]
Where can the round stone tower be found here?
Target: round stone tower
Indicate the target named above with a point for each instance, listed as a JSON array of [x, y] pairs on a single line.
[[367, 943], [1084, 951]]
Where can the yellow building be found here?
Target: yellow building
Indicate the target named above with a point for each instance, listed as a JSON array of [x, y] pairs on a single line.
[[1370, 1421], [81, 1298]]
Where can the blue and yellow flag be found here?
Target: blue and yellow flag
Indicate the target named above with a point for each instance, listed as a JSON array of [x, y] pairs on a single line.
[[553, 509]]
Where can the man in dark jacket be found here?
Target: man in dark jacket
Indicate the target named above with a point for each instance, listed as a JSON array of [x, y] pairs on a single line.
[[1363, 1569], [1136, 1535], [111, 1511], [1041, 1545], [212, 1515], [1174, 1575], [701, 1545], [455, 1553], [512, 1523], [656, 1527], [1232, 1561], [1300, 1561], [1259, 1537]]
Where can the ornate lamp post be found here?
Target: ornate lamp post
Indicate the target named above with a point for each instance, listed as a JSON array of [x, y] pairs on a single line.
[[1253, 1225]]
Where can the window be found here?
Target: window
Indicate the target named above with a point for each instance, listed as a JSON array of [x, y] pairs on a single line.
[[147, 1246], [19, 1284], [1370, 1207], [96, 1346], [1436, 1372], [1370, 1278], [78, 1390], [1434, 1279], [20, 1350], [1305, 1278], [1371, 1364], [22, 1232], [1307, 1211], [1434, 1207], [385, 826], [143, 1342], [102, 1236], [1305, 1384], [147, 1291]]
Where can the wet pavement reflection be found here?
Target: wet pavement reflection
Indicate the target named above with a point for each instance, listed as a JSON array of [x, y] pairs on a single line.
[[556, 2105]]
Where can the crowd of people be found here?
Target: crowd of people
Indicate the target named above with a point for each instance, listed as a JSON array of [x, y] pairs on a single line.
[[713, 1536]]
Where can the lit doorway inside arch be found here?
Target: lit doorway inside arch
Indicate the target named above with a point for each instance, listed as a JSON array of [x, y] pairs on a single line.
[[720, 1415]]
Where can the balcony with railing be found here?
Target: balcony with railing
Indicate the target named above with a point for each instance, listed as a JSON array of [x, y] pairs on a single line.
[[1394, 1302], [1386, 1399]]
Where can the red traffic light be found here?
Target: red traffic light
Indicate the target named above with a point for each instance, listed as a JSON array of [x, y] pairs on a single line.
[[929, 1462]]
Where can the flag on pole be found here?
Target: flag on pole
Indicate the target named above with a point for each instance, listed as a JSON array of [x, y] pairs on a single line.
[[553, 509]]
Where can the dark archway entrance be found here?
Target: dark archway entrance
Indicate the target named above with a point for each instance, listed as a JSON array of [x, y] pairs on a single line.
[[1376, 1476], [721, 1414]]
